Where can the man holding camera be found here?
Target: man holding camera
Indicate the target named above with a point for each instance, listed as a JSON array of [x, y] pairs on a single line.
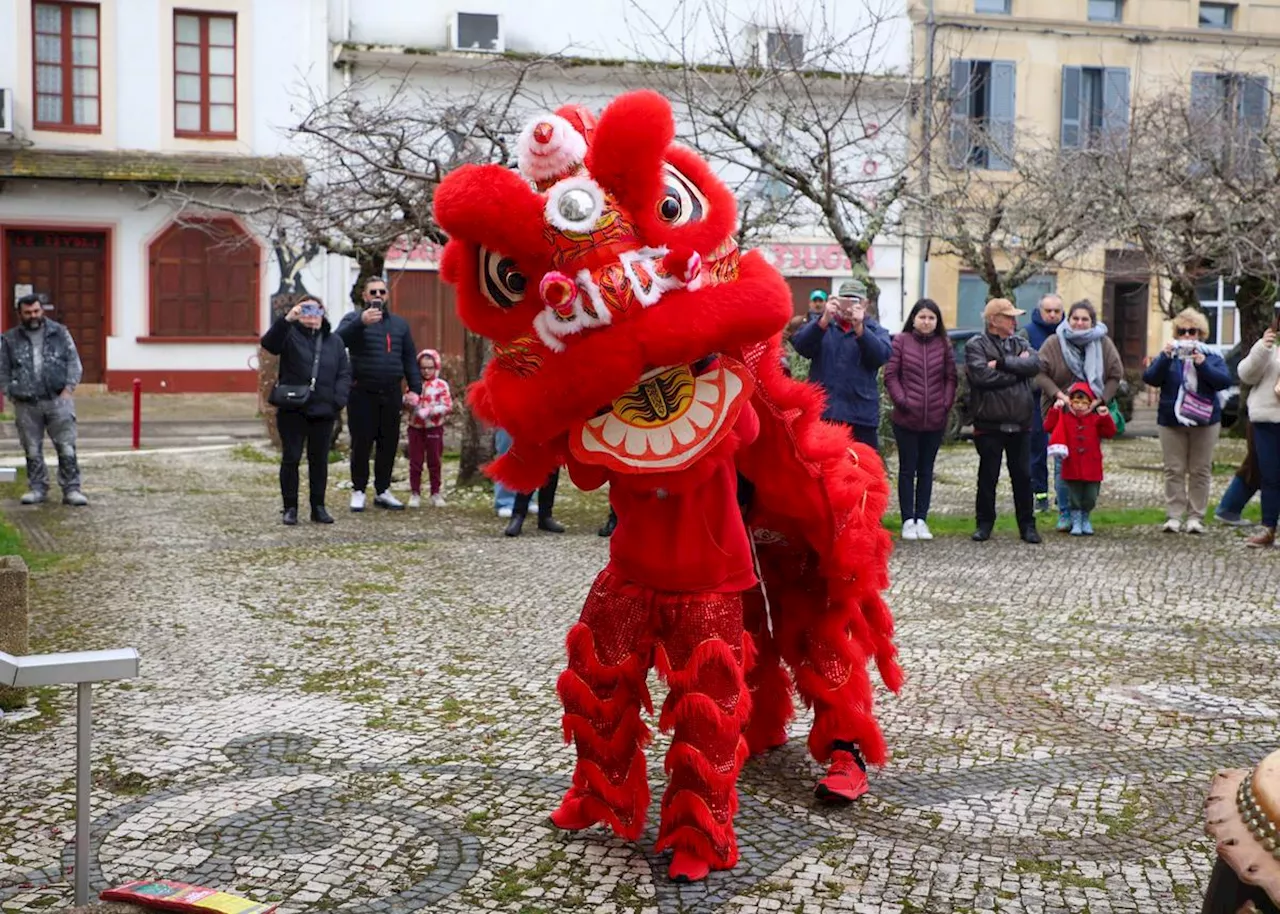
[[1001, 368], [382, 356], [39, 371], [847, 347]]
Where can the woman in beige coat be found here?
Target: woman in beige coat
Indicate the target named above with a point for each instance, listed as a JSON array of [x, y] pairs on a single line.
[[1080, 351], [1261, 370]]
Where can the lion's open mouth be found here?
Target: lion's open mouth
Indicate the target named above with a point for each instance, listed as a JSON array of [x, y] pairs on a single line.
[[668, 418]]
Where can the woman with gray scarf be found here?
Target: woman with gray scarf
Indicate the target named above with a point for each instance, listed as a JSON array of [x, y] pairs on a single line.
[[1081, 350]]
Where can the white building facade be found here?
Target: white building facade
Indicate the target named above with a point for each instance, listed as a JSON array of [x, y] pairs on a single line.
[[107, 106], [113, 104]]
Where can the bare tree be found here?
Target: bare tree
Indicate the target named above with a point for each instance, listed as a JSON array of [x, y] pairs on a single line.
[[1006, 202], [808, 123], [1198, 191], [373, 155]]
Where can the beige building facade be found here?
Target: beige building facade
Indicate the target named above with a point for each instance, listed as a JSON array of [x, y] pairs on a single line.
[[1062, 71]]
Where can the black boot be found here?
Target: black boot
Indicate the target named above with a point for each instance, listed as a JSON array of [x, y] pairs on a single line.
[[982, 534], [290, 517], [319, 515], [519, 511], [609, 525], [547, 504]]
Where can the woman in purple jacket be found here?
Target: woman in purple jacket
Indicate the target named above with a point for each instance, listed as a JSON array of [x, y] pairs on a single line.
[[921, 380]]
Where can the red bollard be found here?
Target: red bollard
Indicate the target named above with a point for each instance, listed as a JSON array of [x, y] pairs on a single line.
[[137, 413]]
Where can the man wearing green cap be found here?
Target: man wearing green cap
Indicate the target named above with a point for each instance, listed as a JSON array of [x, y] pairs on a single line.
[[817, 303], [847, 347]]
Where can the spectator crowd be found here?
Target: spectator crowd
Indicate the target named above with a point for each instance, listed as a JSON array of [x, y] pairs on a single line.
[[1041, 400]]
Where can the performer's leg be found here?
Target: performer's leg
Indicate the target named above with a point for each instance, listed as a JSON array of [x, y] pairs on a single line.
[[702, 651], [768, 683], [603, 689]]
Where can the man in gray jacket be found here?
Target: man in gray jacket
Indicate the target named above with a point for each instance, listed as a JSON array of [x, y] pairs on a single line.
[[39, 371]]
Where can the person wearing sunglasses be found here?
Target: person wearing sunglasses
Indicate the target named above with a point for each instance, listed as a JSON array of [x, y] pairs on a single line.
[[383, 360], [313, 364], [1189, 377]]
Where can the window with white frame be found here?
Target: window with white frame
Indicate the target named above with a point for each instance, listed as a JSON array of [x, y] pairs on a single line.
[[1218, 301]]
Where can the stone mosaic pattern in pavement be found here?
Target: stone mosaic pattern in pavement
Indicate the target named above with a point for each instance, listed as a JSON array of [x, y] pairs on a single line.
[[362, 718]]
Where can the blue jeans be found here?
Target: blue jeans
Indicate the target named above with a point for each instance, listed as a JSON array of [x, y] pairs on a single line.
[[1266, 445], [917, 452], [1060, 489], [502, 496], [1039, 456], [1235, 498]]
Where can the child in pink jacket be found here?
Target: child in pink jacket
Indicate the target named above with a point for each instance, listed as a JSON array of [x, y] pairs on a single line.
[[427, 412]]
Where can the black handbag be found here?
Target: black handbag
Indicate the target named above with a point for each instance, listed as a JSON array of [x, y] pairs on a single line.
[[291, 396]]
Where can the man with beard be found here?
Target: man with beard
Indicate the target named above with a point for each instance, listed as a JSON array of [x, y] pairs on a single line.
[[382, 357], [39, 371]]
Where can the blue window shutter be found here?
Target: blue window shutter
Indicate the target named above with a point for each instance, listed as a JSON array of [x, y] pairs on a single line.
[[1115, 106], [1254, 102], [960, 141], [1206, 96], [1070, 134], [1003, 110]]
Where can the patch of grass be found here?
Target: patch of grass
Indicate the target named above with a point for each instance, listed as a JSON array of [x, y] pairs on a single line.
[[960, 525], [250, 454]]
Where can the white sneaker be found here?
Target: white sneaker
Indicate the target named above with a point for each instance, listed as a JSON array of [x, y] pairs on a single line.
[[909, 529], [33, 498], [437, 501], [1172, 525], [504, 512], [1195, 526], [415, 501], [75, 498], [388, 501], [357, 501], [922, 531]]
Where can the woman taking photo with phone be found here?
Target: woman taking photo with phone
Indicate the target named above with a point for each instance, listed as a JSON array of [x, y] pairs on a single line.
[[1189, 376], [314, 381], [1261, 370]]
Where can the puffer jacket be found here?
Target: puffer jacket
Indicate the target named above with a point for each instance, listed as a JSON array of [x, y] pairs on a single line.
[[845, 365], [1166, 373], [295, 345], [382, 353], [1001, 398], [1261, 370], [60, 367], [921, 380]]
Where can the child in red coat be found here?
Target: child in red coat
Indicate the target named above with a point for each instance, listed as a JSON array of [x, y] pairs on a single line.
[[1075, 434]]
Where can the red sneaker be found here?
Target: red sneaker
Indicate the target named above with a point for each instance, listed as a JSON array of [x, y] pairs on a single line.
[[687, 867], [845, 780]]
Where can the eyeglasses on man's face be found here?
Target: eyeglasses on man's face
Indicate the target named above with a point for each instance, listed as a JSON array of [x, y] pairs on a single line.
[[377, 293]]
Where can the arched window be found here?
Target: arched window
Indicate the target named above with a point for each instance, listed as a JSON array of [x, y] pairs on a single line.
[[204, 281]]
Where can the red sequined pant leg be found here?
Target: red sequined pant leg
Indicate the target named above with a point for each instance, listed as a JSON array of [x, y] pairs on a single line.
[[603, 690], [701, 651]]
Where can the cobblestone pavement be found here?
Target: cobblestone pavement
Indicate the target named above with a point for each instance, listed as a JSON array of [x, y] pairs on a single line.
[[363, 717]]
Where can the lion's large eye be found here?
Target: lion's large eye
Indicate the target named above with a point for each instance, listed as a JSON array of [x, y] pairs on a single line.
[[501, 280], [681, 200]]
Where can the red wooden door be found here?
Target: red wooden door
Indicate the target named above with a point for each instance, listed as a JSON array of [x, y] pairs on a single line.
[[69, 268], [427, 303]]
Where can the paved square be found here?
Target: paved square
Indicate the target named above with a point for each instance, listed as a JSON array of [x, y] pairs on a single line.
[[363, 717]]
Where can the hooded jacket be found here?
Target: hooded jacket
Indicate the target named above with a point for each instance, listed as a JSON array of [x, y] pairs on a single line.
[[1039, 330], [295, 344], [382, 353], [1081, 436], [921, 380]]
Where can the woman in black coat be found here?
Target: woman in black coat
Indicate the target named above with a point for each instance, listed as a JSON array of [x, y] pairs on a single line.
[[296, 338]]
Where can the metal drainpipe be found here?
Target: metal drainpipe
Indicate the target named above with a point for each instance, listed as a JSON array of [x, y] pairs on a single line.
[[926, 153]]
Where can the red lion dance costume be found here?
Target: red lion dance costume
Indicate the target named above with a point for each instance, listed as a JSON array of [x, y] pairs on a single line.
[[636, 346]]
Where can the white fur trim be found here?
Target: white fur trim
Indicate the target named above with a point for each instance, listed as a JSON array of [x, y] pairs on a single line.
[[577, 182], [1058, 450], [604, 315], [544, 162]]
